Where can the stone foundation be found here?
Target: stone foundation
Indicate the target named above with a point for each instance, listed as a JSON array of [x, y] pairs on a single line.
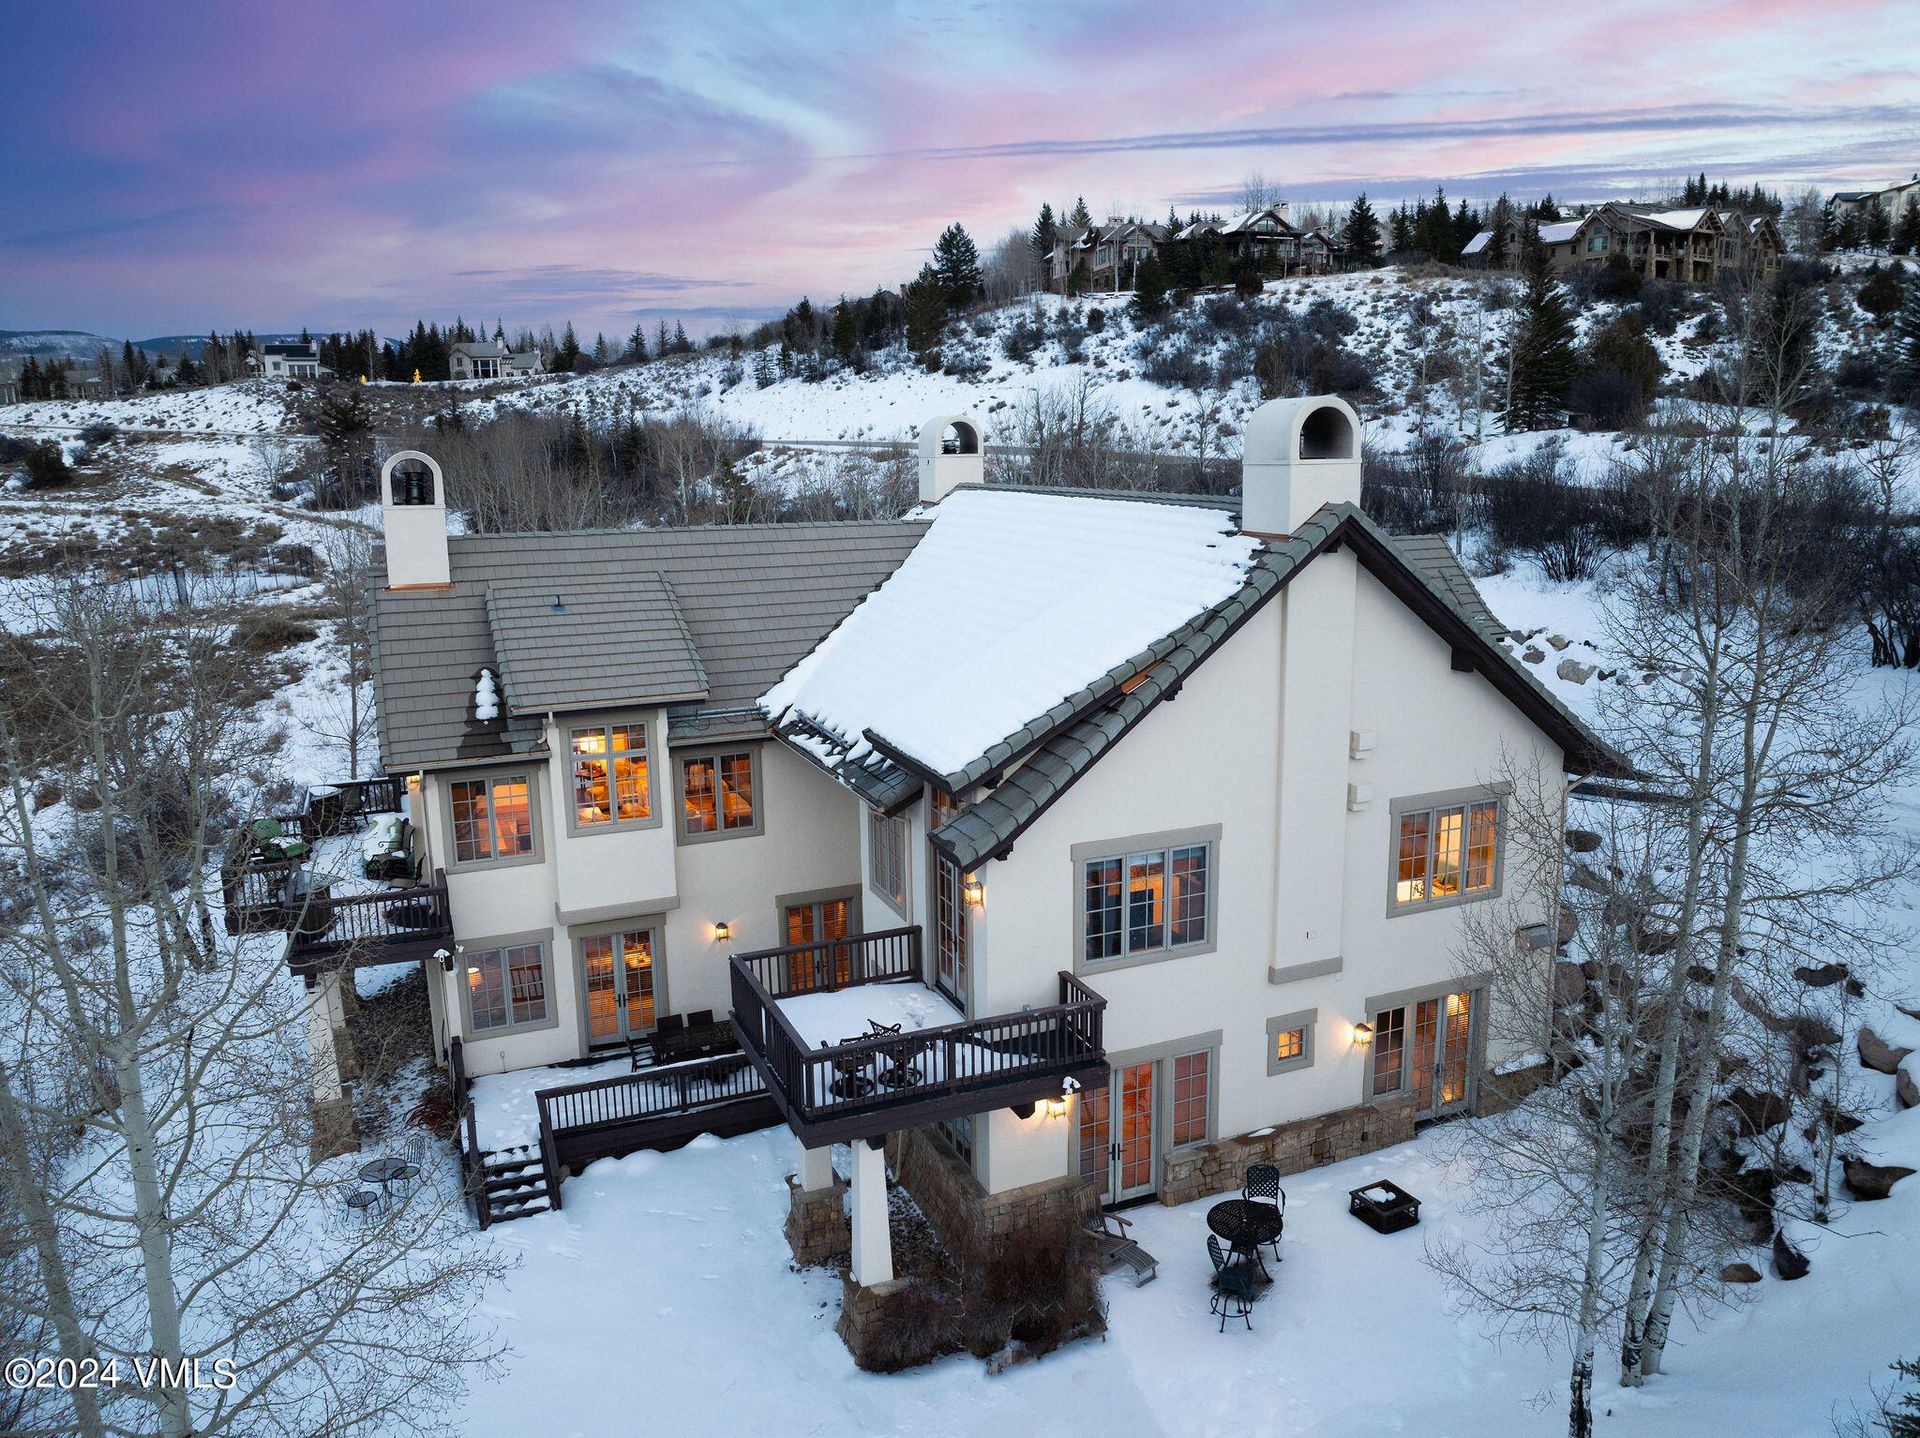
[[866, 1316], [817, 1228], [334, 1131], [1221, 1167], [1500, 1092], [962, 1212]]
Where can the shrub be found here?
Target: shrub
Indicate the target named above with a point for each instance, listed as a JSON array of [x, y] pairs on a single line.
[[1072, 334], [1880, 296], [1096, 319], [1608, 398], [269, 631], [1038, 1286], [1022, 339], [923, 1323], [1417, 490], [1661, 304], [47, 467], [99, 432], [1175, 363]]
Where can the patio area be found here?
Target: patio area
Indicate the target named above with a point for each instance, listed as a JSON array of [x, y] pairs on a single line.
[[1355, 1336]]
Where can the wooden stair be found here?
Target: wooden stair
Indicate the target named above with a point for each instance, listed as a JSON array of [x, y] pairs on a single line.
[[514, 1183]]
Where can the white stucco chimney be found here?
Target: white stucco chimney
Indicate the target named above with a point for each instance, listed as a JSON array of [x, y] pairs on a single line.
[[413, 512], [950, 454], [1300, 454]]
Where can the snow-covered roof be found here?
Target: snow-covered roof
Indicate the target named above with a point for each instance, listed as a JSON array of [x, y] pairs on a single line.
[[1478, 243], [1674, 219], [1560, 233], [1009, 604]]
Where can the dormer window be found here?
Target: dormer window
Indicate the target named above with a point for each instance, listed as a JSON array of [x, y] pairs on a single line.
[[413, 483]]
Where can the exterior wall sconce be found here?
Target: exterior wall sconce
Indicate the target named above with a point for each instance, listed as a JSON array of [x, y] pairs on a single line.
[[1363, 1033], [974, 892], [722, 931], [1056, 1107]]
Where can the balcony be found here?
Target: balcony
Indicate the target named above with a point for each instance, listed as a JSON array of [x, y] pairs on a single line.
[[933, 1068]]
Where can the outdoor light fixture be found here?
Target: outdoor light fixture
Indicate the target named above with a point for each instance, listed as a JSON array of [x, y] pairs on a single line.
[[445, 956], [722, 931], [974, 892], [1363, 1033], [1056, 1107]]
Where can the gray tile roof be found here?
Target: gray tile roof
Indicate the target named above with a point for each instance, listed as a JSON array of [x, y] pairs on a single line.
[[753, 598], [592, 640], [990, 825]]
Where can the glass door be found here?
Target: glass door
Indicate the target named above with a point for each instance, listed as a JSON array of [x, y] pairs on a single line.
[[617, 977], [1117, 1134], [1096, 1139], [1427, 1048], [816, 923], [950, 925]]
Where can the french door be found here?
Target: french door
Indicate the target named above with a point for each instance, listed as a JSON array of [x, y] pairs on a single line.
[[1117, 1134], [1427, 1048], [817, 923], [617, 976], [950, 928]]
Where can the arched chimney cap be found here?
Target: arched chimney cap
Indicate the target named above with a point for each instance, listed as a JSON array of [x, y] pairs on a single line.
[[1309, 428], [966, 433], [411, 456]]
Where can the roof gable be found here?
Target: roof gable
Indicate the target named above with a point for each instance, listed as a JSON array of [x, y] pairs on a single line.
[[591, 642]]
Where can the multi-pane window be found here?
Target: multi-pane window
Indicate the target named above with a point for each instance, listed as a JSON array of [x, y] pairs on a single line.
[[1191, 1087], [958, 1132], [507, 987], [611, 783], [619, 982], [1446, 852], [1389, 1050], [492, 818], [1145, 902], [888, 841], [1289, 1044], [717, 793]]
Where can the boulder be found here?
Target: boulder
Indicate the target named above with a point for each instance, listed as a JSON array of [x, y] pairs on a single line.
[[1569, 925], [1823, 977], [1759, 1111], [1583, 841], [1573, 671], [1876, 1053], [1569, 983], [1533, 654], [1739, 1273], [1581, 877], [1789, 1262], [1869, 1181], [1558, 641], [1905, 1088], [1699, 974], [1654, 941]]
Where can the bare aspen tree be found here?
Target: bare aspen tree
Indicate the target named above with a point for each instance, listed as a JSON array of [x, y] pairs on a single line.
[[347, 716], [190, 1226]]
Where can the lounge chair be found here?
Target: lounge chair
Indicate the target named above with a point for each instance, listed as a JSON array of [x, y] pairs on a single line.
[[1114, 1245]]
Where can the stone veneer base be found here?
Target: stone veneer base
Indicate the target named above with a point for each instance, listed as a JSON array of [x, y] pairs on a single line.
[[817, 1228], [1221, 1166]]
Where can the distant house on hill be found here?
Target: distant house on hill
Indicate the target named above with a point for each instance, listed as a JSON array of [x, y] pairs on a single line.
[[9, 389], [1693, 246], [490, 359], [299, 359], [1106, 257], [1268, 238], [1893, 199]]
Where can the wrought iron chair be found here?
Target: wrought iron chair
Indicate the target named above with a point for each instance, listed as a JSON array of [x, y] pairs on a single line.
[[1232, 1286], [1262, 1185], [414, 1156], [365, 1202]]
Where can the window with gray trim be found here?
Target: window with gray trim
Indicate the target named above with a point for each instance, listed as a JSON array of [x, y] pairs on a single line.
[[612, 774], [1290, 1041], [1147, 901], [1445, 853], [507, 988], [492, 818], [719, 795], [887, 839]]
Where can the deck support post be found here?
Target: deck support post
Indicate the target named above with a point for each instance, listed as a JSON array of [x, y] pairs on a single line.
[[816, 1169], [333, 1132], [872, 1243]]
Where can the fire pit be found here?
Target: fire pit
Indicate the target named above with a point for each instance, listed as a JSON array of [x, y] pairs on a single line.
[[1384, 1206]]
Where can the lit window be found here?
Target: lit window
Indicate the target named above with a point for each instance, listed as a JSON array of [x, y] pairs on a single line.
[[1289, 1044], [611, 779], [1145, 902], [1444, 853], [717, 794], [507, 987], [492, 819]]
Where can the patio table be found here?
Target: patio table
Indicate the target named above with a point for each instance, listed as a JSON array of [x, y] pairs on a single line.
[[1245, 1225], [383, 1171]]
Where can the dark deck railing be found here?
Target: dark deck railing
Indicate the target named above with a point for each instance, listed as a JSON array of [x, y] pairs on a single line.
[[831, 964], [252, 888], [876, 1085], [654, 1108], [472, 1161], [389, 927]]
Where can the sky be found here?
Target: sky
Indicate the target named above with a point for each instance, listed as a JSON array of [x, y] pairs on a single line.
[[178, 167]]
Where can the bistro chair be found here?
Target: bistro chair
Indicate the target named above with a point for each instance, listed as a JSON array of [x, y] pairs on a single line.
[[1262, 1185], [700, 1019], [414, 1156], [365, 1202], [1232, 1286]]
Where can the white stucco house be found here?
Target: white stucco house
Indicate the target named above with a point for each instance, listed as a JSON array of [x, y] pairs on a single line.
[[1151, 821], [491, 359], [293, 359]]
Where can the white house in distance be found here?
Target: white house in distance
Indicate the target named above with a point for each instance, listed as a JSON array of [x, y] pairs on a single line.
[[1047, 847], [294, 359], [490, 359]]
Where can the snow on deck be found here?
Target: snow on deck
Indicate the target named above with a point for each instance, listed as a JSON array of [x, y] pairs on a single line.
[[504, 1113], [1009, 604], [827, 1019]]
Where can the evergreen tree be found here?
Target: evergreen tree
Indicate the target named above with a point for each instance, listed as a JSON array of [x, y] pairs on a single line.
[[846, 333], [1044, 237], [1543, 358], [1361, 233], [1879, 226], [1081, 216], [1400, 228], [1906, 345], [956, 263], [662, 341], [1906, 234], [1847, 235], [681, 344], [1829, 226], [926, 312], [567, 357], [637, 345], [1901, 1415], [1499, 223], [602, 351], [1150, 288]]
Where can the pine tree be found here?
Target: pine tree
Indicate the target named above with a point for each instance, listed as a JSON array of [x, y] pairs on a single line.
[[1361, 233], [681, 344], [637, 344], [1543, 359], [956, 263], [846, 333], [1879, 226], [1081, 216], [1151, 284], [926, 312], [602, 352], [1400, 228], [1499, 223], [1906, 234], [662, 341], [567, 356], [1906, 345], [1044, 237]]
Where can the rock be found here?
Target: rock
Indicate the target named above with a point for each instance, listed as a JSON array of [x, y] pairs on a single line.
[[1906, 1089], [1569, 925], [1699, 974], [1569, 982], [1910, 1013], [1877, 1054], [1789, 1262], [1823, 977], [1558, 641], [1739, 1273], [1573, 671], [1581, 877], [1583, 841], [1869, 1181], [1760, 1111], [1655, 941], [1533, 655]]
